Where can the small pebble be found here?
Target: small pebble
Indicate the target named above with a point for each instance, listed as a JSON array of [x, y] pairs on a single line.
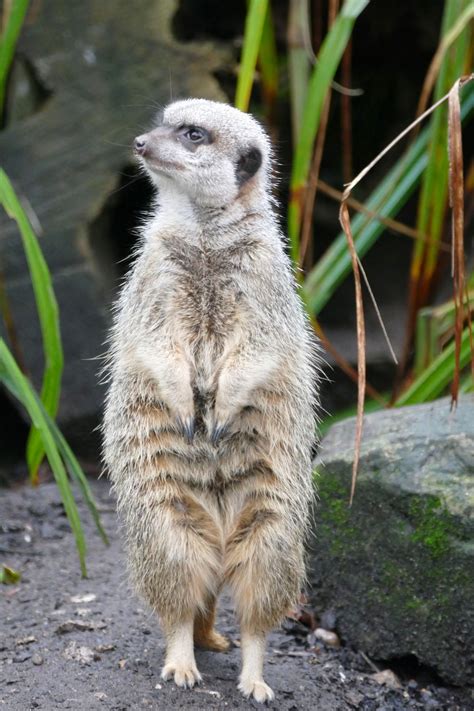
[[88, 597], [329, 638], [37, 659], [25, 640], [21, 657], [388, 678]]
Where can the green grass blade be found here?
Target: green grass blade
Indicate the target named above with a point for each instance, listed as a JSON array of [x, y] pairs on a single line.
[[322, 75], [388, 198], [47, 312], [298, 64], [21, 388], [268, 63], [254, 22], [434, 185], [76, 473], [8, 41], [434, 380]]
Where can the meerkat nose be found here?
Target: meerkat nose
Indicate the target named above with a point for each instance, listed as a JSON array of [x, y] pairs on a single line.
[[139, 145]]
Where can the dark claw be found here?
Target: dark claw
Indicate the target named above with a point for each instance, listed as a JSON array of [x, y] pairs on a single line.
[[187, 428], [218, 432]]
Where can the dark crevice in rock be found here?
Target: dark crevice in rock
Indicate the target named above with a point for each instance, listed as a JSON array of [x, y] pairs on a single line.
[[208, 19], [409, 667], [113, 233], [26, 92], [227, 80], [14, 431]]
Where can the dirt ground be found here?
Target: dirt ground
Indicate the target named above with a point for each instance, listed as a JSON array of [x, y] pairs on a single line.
[[87, 644]]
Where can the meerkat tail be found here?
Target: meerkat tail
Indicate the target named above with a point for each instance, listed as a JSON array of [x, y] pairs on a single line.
[[205, 635], [180, 663], [251, 681]]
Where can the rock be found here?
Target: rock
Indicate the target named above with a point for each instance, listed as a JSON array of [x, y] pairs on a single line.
[[21, 657], [329, 638], [328, 620], [26, 640], [82, 654], [79, 599], [79, 626], [388, 678], [106, 68], [398, 566], [37, 659], [50, 532]]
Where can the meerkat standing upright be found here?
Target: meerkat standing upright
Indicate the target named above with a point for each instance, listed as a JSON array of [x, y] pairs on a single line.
[[209, 418]]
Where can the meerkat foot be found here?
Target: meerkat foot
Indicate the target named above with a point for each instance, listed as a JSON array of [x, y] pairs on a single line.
[[180, 663], [257, 688], [183, 675], [251, 681], [214, 641]]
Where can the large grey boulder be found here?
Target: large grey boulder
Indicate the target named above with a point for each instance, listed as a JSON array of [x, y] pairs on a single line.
[[105, 68], [398, 566]]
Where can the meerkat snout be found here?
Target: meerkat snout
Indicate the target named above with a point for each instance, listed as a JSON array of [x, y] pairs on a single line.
[[139, 145]]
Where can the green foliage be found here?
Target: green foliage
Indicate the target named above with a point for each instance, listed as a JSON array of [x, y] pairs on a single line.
[[432, 382], [19, 386], [254, 25], [47, 313], [319, 84], [45, 436], [423, 165], [8, 576], [8, 41]]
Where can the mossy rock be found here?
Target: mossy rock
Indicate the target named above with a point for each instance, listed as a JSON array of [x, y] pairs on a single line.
[[398, 566]]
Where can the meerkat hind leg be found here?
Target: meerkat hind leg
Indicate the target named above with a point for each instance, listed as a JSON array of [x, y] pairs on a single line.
[[251, 681], [180, 662], [205, 636]]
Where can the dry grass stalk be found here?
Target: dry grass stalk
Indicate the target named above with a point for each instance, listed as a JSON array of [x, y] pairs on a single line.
[[457, 205], [343, 363], [310, 196], [389, 222], [361, 365]]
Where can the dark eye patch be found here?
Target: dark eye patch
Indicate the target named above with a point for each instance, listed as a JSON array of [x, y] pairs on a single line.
[[247, 165], [193, 136]]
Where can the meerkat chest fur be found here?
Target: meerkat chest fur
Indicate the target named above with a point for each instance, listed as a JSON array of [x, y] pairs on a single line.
[[207, 298], [202, 287]]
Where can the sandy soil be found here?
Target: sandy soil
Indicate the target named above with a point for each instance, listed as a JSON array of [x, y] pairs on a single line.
[[87, 644]]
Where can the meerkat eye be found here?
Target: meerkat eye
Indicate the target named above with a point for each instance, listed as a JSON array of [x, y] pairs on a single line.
[[194, 134]]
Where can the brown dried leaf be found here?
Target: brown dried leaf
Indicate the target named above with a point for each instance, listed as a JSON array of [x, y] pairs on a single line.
[[346, 226], [456, 202]]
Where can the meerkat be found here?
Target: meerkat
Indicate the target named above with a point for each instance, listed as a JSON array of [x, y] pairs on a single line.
[[210, 413]]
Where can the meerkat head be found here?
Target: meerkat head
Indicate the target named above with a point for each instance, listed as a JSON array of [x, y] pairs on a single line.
[[212, 152]]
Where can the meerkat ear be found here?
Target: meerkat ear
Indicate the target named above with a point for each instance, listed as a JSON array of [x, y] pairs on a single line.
[[248, 165]]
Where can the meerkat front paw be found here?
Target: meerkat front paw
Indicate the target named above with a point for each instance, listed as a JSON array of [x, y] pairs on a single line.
[[218, 431], [185, 675], [186, 426], [257, 688], [220, 422]]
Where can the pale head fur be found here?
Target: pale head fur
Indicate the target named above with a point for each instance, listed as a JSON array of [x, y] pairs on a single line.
[[210, 173]]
